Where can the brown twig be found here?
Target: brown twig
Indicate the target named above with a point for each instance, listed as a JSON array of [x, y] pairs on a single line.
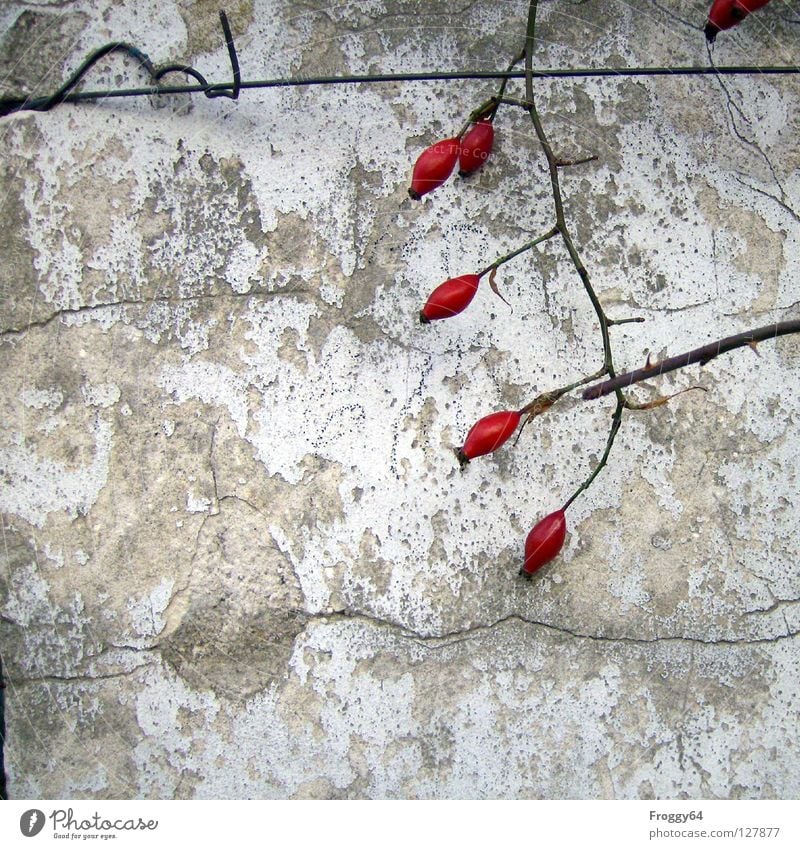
[[700, 355]]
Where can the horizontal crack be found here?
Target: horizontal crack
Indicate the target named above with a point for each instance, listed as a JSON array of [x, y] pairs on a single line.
[[776, 605], [82, 678], [452, 637], [435, 642], [165, 299]]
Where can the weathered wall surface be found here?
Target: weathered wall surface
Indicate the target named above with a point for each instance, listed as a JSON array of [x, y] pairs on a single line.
[[239, 558]]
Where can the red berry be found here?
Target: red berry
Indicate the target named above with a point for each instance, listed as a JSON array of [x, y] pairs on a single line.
[[545, 541], [433, 167], [476, 147], [725, 14], [450, 298], [488, 434]]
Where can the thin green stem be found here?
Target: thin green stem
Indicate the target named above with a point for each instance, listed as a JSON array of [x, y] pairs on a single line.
[[526, 247], [561, 226], [616, 421], [552, 165], [502, 89], [547, 399], [514, 101], [568, 163], [486, 108]]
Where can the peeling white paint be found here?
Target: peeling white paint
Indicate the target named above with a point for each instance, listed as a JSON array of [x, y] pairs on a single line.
[[39, 398], [38, 486], [102, 395], [146, 613], [197, 504]]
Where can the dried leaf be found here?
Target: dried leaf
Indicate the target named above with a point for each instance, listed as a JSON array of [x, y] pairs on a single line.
[[661, 399], [540, 405], [493, 287], [656, 402]]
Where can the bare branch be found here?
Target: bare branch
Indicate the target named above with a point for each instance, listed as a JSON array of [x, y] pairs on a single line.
[[700, 355]]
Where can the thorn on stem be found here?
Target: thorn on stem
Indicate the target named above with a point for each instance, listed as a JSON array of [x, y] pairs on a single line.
[[566, 163]]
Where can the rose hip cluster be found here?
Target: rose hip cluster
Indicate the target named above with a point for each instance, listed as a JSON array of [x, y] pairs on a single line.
[[436, 164], [471, 150], [431, 170]]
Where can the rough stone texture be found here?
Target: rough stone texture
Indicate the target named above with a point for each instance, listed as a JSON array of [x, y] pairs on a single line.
[[239, 558]]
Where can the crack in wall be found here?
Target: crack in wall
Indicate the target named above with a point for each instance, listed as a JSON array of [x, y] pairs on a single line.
[[781, 203], [374, 303], [731, 105], [435, 642], [778, 604], [161, 299], [79, 678], [466, 634]]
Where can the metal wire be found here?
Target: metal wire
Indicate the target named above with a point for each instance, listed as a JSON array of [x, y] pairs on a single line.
[[3, 789], [65, 94]]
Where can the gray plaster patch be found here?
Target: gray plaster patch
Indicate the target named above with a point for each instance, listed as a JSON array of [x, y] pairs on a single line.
[[33, 47]]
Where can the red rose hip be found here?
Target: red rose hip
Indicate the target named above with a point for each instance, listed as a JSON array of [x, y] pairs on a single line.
[[450, 298], [476, 147], [725, 14], [488, 434], [433, 167], [544, 542]]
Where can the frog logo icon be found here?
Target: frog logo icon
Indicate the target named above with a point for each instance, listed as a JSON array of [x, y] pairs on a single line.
[[31, 822]]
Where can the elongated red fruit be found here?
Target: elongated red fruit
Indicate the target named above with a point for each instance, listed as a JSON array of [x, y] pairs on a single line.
[[488, 434], [725, 14], [476, 147], [450, 298], [545, 541], [433, 167]]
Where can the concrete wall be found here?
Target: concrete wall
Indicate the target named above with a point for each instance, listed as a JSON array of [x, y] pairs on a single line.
[[239, 557]]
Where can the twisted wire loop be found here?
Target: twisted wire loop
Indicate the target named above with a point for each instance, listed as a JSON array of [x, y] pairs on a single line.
[[65, 93], [8, 105]]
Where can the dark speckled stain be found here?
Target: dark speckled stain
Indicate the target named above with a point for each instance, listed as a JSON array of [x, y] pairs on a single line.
[[32, 51], [208, 205]]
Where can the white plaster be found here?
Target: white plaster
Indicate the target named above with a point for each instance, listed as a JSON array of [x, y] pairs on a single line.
[[146, 613], [512, 710], [197, 504], [38, 486], [39, 398], [100, 395], [210, 382]]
